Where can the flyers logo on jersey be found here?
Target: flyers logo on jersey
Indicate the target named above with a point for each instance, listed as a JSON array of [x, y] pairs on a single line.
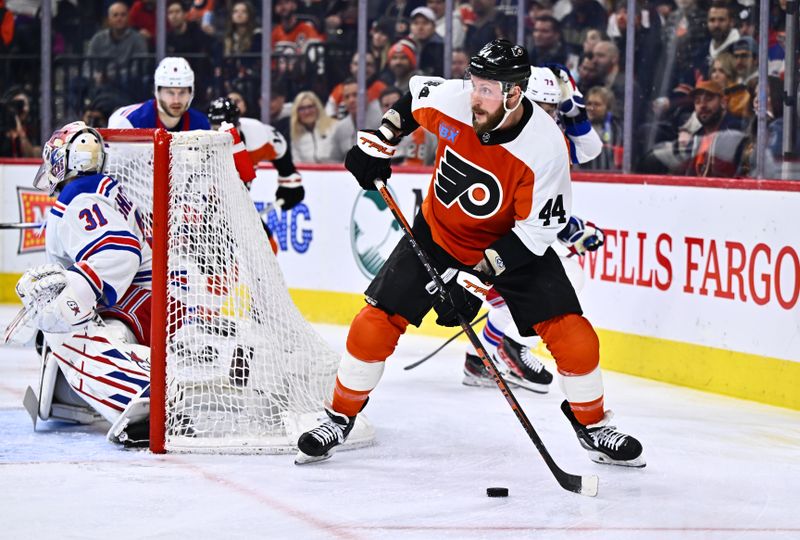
[[476, 190]]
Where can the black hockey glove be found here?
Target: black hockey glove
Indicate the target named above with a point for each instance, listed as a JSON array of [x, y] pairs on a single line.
[[290, 191], [370, 158], [460, 301]]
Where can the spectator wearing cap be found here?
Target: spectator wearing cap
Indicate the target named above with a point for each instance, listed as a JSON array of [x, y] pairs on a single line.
[[402, 63], [381, 36], [744, 52], [717, 146], [437, 6], [430, 45]]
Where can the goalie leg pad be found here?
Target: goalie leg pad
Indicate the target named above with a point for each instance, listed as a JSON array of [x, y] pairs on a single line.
[[105, 372]]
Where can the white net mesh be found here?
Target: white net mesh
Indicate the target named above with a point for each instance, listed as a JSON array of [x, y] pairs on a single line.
[[245, 371]]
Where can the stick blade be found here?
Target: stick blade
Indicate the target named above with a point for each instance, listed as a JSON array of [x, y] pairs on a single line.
[[582, 485]]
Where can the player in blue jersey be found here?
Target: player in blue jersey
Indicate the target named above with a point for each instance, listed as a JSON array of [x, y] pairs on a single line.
[[174, 90]]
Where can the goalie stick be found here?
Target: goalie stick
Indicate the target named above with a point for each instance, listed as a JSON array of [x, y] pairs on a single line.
[[583, 485], [445, 344], [23, 225]]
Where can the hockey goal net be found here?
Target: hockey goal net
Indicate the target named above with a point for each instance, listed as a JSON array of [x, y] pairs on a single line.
[[234, 365]]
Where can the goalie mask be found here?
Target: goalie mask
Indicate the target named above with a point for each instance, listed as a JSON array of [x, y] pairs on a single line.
[[74, 150]]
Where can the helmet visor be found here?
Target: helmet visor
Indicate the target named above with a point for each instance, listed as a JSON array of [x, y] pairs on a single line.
[[484, 90]]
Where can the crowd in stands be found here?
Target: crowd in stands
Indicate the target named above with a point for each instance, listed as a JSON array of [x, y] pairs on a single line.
[[695, 65]]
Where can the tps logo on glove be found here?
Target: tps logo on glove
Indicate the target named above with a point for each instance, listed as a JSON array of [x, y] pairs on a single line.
[[476, 190], [73, 305], [383, 149]]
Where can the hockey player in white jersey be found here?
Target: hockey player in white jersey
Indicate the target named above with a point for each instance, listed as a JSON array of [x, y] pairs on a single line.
[[92, 298], [552, 89]]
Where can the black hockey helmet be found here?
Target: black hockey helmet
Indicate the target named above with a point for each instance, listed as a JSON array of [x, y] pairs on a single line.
[[501, 60], [222, 110]]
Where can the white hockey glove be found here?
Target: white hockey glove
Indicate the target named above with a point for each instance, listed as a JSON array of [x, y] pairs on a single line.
[[63, 301], [571, 98], [580, 236]]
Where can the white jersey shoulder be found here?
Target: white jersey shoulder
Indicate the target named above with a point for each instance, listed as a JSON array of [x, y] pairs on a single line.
[[119, 118], [448, 96], [95, 230], [257, 135]]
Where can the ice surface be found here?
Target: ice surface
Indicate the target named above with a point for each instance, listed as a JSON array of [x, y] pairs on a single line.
[[718, 468]]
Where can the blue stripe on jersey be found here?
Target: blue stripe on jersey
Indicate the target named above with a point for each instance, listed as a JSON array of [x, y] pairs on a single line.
[[56, 212], [109, 187], [110, 294], [578, 129], [96, 241], [78, 186]]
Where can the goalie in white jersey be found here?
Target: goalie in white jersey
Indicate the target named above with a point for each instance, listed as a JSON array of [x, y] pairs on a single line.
[[92, 298]]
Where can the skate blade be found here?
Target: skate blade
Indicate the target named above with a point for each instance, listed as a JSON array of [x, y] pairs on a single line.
[[516, 382], [599, 457], [304, 459], [471, 380]]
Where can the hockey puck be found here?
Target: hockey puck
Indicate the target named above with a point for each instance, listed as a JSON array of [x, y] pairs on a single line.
[[497, 492]]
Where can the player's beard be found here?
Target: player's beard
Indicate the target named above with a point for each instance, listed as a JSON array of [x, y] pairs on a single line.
[[165, 108], [492, 120]]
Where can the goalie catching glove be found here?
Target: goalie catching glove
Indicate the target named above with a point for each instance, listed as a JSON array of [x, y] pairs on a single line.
[[61, 300], [581, 236]]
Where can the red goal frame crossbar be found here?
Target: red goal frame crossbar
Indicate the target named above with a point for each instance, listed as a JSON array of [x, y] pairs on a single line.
[[160, 139]]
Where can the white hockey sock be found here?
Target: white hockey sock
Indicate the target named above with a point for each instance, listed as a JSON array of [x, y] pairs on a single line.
[[357, 375]]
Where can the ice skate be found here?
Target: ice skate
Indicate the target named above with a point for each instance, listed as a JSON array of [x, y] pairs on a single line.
[[604, 443], [319, 443], [525, 370], [475, 373]]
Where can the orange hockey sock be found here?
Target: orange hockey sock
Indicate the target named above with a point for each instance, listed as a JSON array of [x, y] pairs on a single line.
[[372, 339], [573, 343]]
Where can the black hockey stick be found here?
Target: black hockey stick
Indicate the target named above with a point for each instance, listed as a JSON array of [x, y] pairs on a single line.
[[584, 485], [445, 344]]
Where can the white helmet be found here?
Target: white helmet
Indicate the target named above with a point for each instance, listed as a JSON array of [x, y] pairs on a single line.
[[543, 86], [174, 72], [73, 150]]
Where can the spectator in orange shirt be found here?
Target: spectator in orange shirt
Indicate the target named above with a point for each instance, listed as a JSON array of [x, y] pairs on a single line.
[[288, 29], [202, 12], [335, 106]]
